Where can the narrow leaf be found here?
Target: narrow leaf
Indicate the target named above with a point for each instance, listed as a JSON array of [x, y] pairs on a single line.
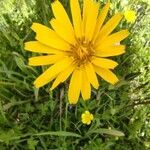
[[107, 131], [58, 133]]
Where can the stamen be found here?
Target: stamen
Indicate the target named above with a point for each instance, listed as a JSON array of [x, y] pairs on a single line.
[[82, 52]]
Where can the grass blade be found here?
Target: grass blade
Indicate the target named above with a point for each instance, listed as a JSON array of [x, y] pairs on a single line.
[[107, 131]]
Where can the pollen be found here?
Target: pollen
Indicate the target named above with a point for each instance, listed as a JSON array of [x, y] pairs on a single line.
[[82, 52]]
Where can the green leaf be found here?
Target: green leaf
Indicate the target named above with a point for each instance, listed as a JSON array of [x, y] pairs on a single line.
[[20, 62], [106, 131], [32, 143], [57, 133], [6, 136], [2, 114]]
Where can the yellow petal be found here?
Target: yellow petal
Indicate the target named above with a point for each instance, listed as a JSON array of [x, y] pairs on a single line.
[[62, 76], [107, 75], [100, 20], [91, 116], [104, 63], [87, 112], [61, 15], [76, 17], [91, 19], [45, 60], [83, 116], [86, 5], [48, 37], [35, 46], [88, 122], [91, 75], [113, 38], [86, 87], [52, 71], [110, 51], [109, 27], [62, 31], [84, 120], [75, 86]]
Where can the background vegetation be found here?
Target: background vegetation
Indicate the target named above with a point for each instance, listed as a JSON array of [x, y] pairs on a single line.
[[36, 119]]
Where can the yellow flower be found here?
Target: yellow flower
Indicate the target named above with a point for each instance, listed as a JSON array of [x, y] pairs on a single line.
[[130, 16], [87, 117], [78, 48]]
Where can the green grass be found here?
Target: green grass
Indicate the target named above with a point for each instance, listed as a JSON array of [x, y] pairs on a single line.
[[36, 119]]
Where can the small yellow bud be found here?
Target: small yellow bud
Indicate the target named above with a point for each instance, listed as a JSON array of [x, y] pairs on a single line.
[[130, 16]]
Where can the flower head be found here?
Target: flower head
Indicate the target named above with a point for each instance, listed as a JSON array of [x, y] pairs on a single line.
[[87, 117], [77, 49], [130, 16]]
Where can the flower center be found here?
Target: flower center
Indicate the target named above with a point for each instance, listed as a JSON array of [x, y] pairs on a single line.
[[82, 52]]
